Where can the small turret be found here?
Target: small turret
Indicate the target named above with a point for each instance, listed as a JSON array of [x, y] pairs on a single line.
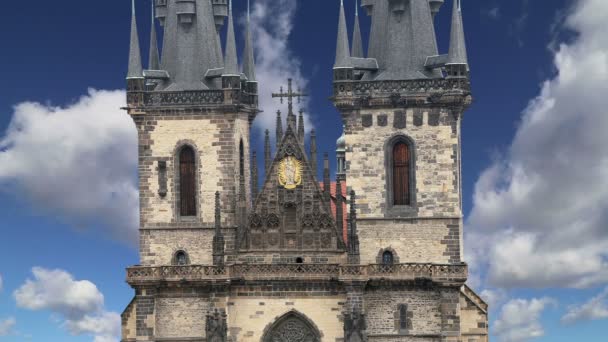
[[301, 130], [357, 50], [135, 74], [267, 157], [153, 59], [254, 176], [248, 57], [231, 78], [341, 157], [343, 68], [313, 152], [279, 128], [457, 65]]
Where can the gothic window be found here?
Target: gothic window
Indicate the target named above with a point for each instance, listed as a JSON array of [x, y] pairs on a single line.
[[181, 259], [388, 258], [187, 181], [292, 327], [401, 174], [241, 159]]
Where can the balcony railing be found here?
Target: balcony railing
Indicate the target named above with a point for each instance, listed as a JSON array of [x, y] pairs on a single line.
[[197, 273]]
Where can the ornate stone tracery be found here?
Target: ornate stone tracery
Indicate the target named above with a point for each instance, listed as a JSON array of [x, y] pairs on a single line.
[[292, 327]]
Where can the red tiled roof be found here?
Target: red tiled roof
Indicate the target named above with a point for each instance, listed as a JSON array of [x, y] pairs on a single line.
[[344, 206]]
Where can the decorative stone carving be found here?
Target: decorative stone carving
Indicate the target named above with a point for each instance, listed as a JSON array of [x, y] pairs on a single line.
[[400, 120], [216, 328], [354, 327], [382, 120], [292, 328], [367, 120]]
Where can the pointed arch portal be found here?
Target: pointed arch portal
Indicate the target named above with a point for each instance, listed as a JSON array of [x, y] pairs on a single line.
[[292, 327]]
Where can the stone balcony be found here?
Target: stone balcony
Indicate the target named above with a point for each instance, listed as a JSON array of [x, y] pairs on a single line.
[[455, 274]]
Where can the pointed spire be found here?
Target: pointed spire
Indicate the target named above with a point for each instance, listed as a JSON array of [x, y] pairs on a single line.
[[254, 176], [339, 208], [218, 238], [301, 127], [313, 152], [357, 41], [458, 49], [153, 59], [231, 64], [279, 127], [267, 157], [342, 46], [218, 214], [326, 179], [248, 57], [353, 237], [135, 68]]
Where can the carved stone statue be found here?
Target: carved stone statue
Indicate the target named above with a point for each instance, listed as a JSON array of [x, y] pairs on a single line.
[[216, 328], [354, 327]]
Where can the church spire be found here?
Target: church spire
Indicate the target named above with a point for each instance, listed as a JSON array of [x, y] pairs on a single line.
[[301, 127], [357, 50], [279, 127], [457, 57], [267, 157], [248, 57], [153, 60], [342, 47], [231, 61], [313, 152], [135, 68]]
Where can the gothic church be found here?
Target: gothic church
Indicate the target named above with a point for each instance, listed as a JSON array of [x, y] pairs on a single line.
[[374, 255]]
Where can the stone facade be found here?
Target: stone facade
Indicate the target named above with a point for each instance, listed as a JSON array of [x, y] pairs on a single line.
[[273, 263]]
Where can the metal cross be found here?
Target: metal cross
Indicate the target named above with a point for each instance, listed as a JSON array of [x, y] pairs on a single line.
[[290, 95]]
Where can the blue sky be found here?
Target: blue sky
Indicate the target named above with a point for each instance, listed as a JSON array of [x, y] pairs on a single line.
[[536, 234]]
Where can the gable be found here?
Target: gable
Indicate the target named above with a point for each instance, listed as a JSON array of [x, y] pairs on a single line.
[[291, 213]]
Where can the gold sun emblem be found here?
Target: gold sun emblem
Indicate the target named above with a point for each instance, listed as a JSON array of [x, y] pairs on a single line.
[[290, 173]]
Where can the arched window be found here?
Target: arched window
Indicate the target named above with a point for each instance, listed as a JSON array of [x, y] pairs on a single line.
[[401, 174], [388, 258], [405, 318], [187, 181], [241, 159], [181, 259]]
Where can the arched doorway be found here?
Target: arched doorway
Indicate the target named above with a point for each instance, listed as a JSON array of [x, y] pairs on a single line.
[[292, 327]]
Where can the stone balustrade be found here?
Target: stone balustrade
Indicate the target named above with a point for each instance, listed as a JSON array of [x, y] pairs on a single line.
[[440, 273]]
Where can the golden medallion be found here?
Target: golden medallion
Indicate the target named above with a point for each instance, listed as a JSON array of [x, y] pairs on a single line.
[[290, 173]]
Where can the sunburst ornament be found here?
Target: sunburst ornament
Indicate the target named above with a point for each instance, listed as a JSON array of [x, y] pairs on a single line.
[[290, 172]]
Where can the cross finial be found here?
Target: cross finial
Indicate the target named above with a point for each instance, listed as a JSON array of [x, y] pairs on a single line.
[[290, 95]]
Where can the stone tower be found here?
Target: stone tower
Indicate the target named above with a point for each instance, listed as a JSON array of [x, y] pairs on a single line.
[[402, 107], [375, 255], [193, 109]]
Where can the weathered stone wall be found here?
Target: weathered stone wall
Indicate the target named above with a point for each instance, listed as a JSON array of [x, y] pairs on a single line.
[[435, 133], [183, 317], [473, 321], [382, 311], [422, 241]]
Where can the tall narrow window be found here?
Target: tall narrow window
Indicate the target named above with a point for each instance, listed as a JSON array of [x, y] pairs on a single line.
[[187, 182], [401, 174], [241, 159]]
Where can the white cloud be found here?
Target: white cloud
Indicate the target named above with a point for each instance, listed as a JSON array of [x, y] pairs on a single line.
[[1, 283], [78, 302], [519, 319], [76, 162], [540, 212], [7, 325], [596, 308], [272, 24], [494, 297]]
